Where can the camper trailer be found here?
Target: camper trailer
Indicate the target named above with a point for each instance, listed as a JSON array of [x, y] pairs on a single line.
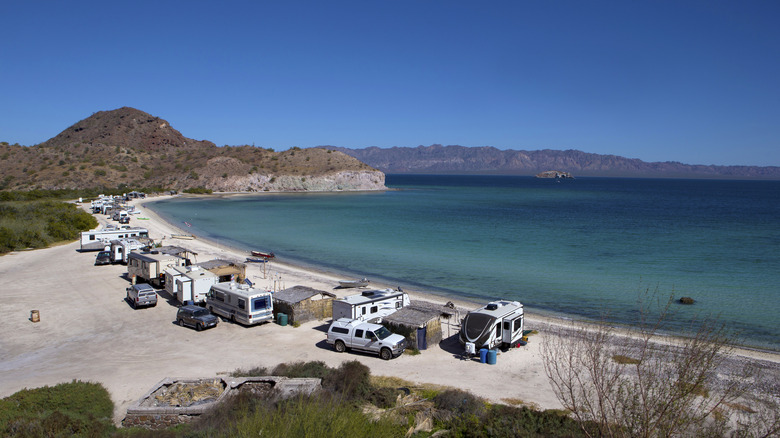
[[240, 303], [171, 275], [370, 305], [120, 249], [100, 240], [497, 324], [195, 285], [149, 267]]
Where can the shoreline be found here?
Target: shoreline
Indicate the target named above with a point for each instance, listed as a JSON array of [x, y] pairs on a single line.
[[88, 332], [463, 303]]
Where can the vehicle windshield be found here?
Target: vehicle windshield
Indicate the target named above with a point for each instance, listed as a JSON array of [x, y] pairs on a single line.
[[382, 332]]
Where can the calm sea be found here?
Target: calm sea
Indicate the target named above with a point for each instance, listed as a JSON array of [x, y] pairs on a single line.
[[579, 248]]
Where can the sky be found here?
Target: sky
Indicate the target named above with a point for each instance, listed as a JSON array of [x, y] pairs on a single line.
[[691, 81]]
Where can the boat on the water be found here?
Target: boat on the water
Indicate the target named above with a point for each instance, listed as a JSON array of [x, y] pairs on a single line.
[[363, 282], [265, 255]]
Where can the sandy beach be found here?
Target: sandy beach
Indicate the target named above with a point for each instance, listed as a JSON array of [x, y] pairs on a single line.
[[87, 331]]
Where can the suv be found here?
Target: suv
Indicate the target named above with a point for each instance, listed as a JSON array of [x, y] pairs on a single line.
[[196, 316], [347, 333], [140, 295], [103, 258]]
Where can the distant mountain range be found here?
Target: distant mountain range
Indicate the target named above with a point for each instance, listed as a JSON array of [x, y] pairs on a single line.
[[489, 160]]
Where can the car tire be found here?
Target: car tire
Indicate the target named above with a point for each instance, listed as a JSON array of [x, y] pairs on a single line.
[[340, 346], [198, 326], [386, 354], [180, 322]]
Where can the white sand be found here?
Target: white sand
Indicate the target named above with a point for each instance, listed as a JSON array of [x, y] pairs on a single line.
[[88, 332]]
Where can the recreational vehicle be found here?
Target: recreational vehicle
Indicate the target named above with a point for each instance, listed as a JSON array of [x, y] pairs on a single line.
[[100, 240], [171, 275], [370, 305], [120, 249], [240, 302], [497, 324], [195, 285], [149, 267]]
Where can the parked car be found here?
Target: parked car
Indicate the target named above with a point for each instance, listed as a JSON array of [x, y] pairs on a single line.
[[345, 333], [195, 316], [124, 219], [103, 258], [141, 295]]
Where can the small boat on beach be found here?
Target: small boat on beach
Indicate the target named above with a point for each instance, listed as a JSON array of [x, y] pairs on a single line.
[[265, 255], [182, 236], [363, 282], [257, 260]]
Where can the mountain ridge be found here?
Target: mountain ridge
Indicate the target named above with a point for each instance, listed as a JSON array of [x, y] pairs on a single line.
[[457, 159]]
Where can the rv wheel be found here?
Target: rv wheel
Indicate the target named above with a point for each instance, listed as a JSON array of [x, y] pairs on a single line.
[[340, 347], [386, 354]]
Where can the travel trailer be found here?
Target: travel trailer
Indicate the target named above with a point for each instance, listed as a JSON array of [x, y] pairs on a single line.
[[195, 285], [121, 248], [240, 303], [370, 305], [497, 324], [149, 267], [100, 240], [171, 275]]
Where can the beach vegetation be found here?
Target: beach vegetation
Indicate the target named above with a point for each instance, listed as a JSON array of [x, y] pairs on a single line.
[[636, 383], [68, 409], [198, 190], [40, 223]]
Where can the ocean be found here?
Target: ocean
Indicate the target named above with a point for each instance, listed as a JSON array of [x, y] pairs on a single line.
[[585, 248]]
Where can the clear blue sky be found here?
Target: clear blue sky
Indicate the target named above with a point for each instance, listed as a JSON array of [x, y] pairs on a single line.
[[690, 81]]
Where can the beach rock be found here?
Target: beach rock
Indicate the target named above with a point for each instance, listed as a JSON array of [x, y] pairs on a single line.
[[686, 300]]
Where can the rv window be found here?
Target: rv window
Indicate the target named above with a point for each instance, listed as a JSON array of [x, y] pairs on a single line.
[[92, 237], [260, 303], [219, 296], [241, 304], [364, 310], [518, 324], [358, 333], [498, 330], [506, 325], [397, 304], [374, 309]]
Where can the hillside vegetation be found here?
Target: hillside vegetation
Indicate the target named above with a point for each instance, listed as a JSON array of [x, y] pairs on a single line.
[[128, 147]]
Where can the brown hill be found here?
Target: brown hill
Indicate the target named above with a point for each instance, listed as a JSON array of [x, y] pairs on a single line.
[[130, 148]]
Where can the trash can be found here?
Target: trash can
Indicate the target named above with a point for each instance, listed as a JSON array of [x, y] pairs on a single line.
[[491, 357], [281, 319], [483, 355]]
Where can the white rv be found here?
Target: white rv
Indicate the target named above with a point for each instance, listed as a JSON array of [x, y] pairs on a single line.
[[497, 324], [195, 285], [171, 275], [100, 240], [240, 302], [149, 267], [370, 305], [120, 249]]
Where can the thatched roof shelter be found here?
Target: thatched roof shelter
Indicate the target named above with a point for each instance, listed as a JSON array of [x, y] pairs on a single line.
[[225, 269], [301, 303], [420, 322]]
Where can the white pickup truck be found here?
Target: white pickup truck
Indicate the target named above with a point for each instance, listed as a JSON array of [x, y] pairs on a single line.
[[345, 333]]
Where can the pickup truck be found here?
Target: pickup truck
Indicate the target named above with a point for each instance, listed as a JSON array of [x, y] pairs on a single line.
[[345, 333], [141, 295]]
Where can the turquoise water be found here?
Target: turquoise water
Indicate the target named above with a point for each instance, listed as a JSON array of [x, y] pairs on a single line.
[[577, 248]]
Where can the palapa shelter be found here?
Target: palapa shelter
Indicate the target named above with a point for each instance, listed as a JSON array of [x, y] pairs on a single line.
[[226, 270], [420, 322], [301, 304]]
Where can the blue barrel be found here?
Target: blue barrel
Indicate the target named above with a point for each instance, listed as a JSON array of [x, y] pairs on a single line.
[[483, 355], [281, 319], [492, 355]]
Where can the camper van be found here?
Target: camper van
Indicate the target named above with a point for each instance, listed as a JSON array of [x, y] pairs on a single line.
[[370, 305], [100, 240], [149, 267], [195, 285], [497, 324], [240, 302], [120, 249]]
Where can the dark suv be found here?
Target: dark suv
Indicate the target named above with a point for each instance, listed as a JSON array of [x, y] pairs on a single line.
[[103, 258], [196, 316]]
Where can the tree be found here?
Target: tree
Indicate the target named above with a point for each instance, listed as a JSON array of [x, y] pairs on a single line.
[[634, 382]]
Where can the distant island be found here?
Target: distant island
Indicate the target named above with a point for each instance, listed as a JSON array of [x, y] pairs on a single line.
[[554, 174], [438, 159]]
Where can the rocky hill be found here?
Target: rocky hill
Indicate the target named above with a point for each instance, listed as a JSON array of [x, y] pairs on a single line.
[[489, 160], [130, 148]]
